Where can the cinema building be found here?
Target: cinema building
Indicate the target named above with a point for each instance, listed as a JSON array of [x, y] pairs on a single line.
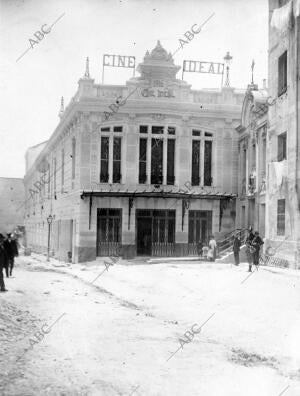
[[147, 168]]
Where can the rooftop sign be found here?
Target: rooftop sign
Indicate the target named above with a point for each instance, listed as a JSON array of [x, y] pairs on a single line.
[[191, 66], [118, 61]]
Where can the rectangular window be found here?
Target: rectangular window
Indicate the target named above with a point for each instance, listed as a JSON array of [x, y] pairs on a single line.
[[196, 132], [104, 159], [143, 129], [171, 162], [264, 156], [282, 147], [157, 161], [171, 130], [158, 129], [208, 134], [48, 180], [143, 161], [207, 163], [54, 174], [107, 129], [281, 217], [253, 156], [117, 160], [62, 169], [196, 163], [118, 129], [73, 157], [282, 73]]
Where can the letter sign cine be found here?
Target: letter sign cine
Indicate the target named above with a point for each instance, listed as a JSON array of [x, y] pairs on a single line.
[[119, 61]]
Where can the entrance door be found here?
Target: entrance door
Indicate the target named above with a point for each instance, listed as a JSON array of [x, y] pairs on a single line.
[[144, 236], [155, 232], [108, 232], [200, 227]]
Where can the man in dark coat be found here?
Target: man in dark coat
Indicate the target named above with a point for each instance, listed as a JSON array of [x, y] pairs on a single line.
[[256, 243], [11, 251], [236, 249], [3, 263]]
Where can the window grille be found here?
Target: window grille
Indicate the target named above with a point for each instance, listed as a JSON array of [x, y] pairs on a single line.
[[281, 217], [104, 159]]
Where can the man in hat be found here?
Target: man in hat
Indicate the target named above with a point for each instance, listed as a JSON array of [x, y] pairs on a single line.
[[3, 263]]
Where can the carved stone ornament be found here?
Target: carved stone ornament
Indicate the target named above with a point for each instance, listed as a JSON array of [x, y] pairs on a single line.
[[159, 117]]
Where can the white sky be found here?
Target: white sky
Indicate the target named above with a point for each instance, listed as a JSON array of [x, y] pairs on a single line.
[[32, 87]]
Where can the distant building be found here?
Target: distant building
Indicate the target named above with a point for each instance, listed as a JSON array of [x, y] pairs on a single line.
[[283, 142], [251, 202], [154, 177], [12, 196]]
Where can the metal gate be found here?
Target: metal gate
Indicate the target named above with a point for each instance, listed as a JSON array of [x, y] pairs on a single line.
[[109, 231], [156, 232], [200, 228]]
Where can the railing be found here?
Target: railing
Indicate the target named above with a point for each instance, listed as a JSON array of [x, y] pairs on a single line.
[[227, 242], [194, 249], [108, 248], [163, 249]]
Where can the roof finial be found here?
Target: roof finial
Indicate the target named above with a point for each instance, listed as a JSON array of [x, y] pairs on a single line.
[[252, 67], [62, 107], [87, 68], [227, 58]]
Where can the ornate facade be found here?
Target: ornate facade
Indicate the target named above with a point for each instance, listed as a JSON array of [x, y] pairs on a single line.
[[251, 202], [148, 168]]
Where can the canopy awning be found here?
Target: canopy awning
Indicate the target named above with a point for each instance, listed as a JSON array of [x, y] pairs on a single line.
[[157, 194]]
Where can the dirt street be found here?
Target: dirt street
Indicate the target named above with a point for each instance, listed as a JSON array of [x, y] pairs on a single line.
[[62, 335]]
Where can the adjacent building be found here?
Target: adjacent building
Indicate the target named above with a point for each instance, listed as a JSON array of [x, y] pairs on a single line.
[[148, 168], [283, 137], [12, 198], [252, 148]]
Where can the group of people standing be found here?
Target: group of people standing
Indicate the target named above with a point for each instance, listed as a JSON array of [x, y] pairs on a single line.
[[253, 244], [8, 252]]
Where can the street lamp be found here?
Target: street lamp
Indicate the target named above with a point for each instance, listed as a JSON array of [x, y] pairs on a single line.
[[227, 58], [49, 221]]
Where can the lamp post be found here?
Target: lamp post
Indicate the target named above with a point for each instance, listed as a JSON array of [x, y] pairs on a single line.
[[49, 221], [227, 58]]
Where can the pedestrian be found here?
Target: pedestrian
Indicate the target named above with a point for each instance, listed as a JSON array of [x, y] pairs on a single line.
[[212, 249], [257, 242], [3, 263], [11, 249], [249, 248], [199, 247], [236, 249]]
